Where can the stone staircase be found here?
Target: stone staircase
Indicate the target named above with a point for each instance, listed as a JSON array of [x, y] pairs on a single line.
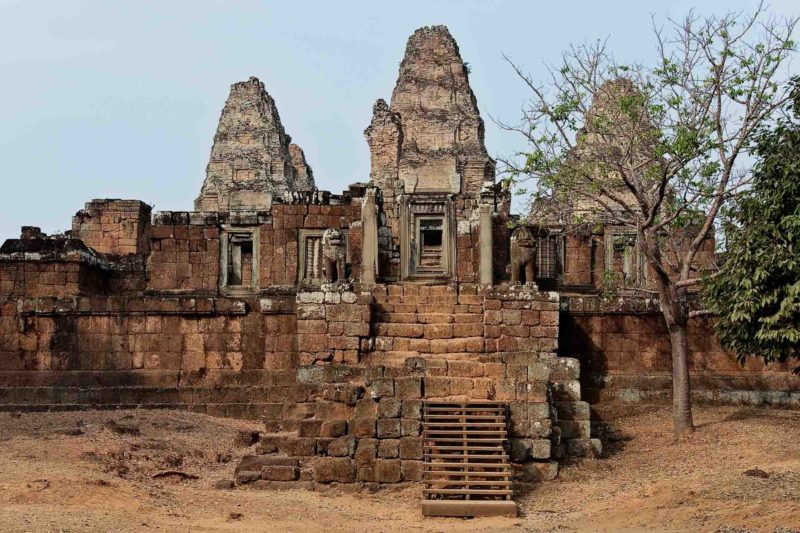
[[466, 469], [412, 320]]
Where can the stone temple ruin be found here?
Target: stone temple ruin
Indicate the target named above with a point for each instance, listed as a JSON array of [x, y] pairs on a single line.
[[379, 332]]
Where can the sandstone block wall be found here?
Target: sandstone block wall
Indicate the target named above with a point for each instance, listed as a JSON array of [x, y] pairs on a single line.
[[113, 226], [184, 253], [626, 356], [214, 355], [279, 240]]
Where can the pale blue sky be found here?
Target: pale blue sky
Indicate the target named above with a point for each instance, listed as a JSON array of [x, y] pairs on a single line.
[[113, 99]]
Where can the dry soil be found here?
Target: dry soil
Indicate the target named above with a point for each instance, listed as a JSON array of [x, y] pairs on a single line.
[[76, 472]]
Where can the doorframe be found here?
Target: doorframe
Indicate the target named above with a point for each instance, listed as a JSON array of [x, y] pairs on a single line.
[[431, 206]]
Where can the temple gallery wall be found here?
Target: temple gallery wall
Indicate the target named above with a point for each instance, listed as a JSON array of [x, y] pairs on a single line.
[[334, 318]]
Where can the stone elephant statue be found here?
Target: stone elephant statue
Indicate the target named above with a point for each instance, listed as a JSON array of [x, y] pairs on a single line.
[[333, 254], [523, 256]]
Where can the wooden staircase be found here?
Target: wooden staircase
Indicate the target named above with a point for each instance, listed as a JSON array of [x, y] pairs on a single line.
[[467, 470]]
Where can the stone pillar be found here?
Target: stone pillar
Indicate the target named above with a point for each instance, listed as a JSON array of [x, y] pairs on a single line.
[[369, 235], [486, 243]]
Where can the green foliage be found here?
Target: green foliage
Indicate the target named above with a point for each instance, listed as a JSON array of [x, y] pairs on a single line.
[[756, 294], [612, 283]]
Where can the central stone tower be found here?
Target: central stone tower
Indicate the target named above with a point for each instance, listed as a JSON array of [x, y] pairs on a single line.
[[430, 163]]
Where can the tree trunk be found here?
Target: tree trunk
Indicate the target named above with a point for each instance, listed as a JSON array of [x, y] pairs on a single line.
[[681, 387], [676, 314]]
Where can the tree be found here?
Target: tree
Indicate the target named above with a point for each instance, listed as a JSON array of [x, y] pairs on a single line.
[[661, 149], [755, 296]]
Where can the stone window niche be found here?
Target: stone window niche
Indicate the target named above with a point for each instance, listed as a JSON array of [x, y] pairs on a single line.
[[549, 258], [310, 263], [239, 259], [624, 258]]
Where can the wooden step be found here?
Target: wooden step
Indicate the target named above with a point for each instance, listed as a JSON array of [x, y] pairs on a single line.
[[426, 432], [499, 457], [438, 469], [470, 482], [436, 417], [437, 424], [467, 465], [471, 492], [469, 508], [476, 440]]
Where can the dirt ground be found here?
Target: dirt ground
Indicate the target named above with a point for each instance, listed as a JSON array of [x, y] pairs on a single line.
[[78, 472]]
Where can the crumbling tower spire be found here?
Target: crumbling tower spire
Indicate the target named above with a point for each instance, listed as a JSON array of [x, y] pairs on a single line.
[[429, 161], [442, 132], [251, 159]]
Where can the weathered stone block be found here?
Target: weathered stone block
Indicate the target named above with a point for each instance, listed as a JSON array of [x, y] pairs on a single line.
[[280, 473], [467, 369], [363, 427], [412, 409], [408, 387], [409, 427], [389, 428], [532, 391], [330, 469], [366, 451], [523, 450], [539, 429], [374, 372], [388, 448], [389, 408], [572, 410], [539, 371], [460, 386], [366, 408], [333, 428], [342, 447], [437, 387], [538, 411], [297, 446], [309, 428], [565, 369], [411, 470], [575, 429], [387, 470], [411, 448], [381, 388], [584, 447]]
